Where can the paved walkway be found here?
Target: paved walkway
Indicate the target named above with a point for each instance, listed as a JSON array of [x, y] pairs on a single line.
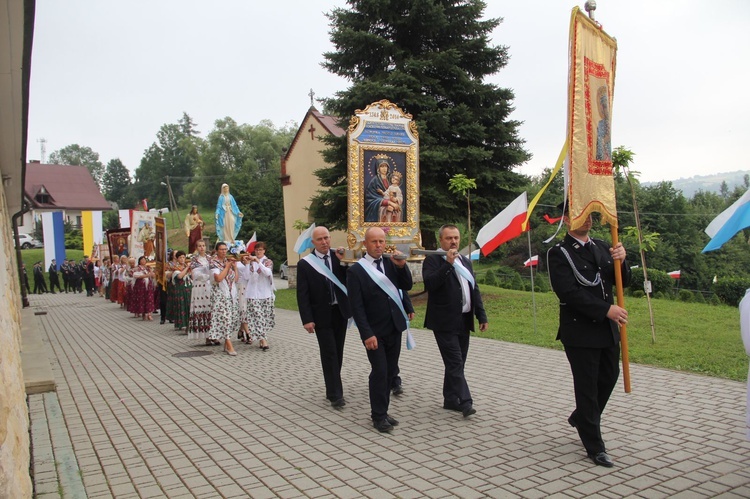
[[135, 415]]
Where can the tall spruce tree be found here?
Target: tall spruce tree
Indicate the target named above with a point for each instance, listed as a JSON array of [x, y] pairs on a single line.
[[429, 57]]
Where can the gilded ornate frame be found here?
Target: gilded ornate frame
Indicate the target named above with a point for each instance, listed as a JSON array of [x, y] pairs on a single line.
[[362, 149]]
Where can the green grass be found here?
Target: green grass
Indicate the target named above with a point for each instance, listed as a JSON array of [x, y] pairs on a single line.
[[690, 337]]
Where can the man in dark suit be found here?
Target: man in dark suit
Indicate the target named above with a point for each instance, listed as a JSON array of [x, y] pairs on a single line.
[[380, 319], [324, 309], [582, 272], [54, 279], [88, 275], [453, 301]]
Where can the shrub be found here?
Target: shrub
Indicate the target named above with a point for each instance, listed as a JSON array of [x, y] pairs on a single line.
[[490, 279], [699, 298], [714, 300], [686, 296], [659, 295], [731, 289], [639, 293], [74, 240], [660, 281]]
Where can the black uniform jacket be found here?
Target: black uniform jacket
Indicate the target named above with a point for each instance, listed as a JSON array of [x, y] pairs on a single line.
[[373, 310], [583, 309], [445, 297], [314, 296]]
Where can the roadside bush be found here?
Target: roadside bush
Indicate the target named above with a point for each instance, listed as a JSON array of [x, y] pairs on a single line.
[[490, 279], [638, 293], [660, 281], [731, 289], [686, 296], [74, 240], [659, 295], [714, 300], [699, 298]]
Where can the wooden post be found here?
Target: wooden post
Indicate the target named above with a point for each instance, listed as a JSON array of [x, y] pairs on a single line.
[[623, 327]]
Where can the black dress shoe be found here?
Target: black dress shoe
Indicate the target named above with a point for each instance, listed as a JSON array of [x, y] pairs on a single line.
[[451, 407], [338, 403], [398, 390], [391, 421], [468, 411], [602, 459], [383, 426]]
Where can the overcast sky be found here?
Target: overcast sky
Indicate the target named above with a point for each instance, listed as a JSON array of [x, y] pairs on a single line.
[[108, 74]]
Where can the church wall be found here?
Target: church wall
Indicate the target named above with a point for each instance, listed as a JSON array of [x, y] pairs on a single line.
[[301, 164], [14, 415]]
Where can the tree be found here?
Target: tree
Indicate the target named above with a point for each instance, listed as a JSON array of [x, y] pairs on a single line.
[[115, 181], [174, 154], [461, 185], [75, 154], [430, 57]]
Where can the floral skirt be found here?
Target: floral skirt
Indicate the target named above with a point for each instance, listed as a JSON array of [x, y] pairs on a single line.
[[199, 319], [261, 317], [225, 316]]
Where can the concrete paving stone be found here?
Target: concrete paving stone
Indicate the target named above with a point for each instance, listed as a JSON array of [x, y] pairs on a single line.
[[733, 480]]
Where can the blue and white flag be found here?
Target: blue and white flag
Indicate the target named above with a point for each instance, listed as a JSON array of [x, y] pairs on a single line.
[[304, 241], [54, 238], [728, 223], [475, 254]]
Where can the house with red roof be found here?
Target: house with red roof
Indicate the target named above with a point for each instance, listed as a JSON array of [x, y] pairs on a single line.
[[67, 188]]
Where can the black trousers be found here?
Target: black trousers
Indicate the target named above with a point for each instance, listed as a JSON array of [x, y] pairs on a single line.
[[384, 363], [595, 372], [331, 344], [454, 348]]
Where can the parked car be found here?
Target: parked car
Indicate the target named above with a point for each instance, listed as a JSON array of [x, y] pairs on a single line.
[[26, 242], [284, 271]]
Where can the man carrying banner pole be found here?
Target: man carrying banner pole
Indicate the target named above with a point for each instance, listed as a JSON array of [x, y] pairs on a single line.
[[582, 270]]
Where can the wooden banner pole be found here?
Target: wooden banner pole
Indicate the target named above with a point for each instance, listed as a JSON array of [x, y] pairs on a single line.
[[623, 327]]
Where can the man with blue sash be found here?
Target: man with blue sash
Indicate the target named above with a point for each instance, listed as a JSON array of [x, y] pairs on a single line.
[[324, 309], [382, 310], [453, 301]]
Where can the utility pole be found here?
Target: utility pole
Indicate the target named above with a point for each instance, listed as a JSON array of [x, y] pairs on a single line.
[[172, 202]]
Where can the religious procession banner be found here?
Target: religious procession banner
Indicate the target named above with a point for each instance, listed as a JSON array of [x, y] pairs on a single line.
[[143, 235], [591, 84]]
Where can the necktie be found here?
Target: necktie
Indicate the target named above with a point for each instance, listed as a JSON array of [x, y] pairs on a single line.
[[330, 284], [377, 263]]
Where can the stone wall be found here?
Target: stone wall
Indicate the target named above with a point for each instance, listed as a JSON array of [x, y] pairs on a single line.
[[14, 413]]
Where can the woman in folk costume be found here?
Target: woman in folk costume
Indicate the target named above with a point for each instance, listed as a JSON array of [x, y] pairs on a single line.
[[129, 280], [225, 320], [115, 279], [142, 303], [244, 333], [181, 288], [260, 315], [199, 321]]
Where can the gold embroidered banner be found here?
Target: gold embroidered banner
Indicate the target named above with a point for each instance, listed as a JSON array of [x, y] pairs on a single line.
[[591, 186]]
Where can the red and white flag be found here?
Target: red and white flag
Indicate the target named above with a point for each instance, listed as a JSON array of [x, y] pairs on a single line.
[[675, 274], [508, 224], [532, 262], [144, 203], [251, 244]]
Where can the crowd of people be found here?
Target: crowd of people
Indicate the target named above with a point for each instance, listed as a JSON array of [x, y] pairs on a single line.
[[219, 297], [212, 297]]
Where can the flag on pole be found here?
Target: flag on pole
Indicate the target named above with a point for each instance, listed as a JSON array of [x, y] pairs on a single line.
[[506, 225], [590, 182], [475, 254], [87, 231], [551, 220], [728, 223], [251, 243], [125, 217], [675, 274], [53, 229], [304, 241], [532, 262]]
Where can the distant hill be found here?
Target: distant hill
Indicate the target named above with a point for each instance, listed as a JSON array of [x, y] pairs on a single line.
[[707, 183]]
